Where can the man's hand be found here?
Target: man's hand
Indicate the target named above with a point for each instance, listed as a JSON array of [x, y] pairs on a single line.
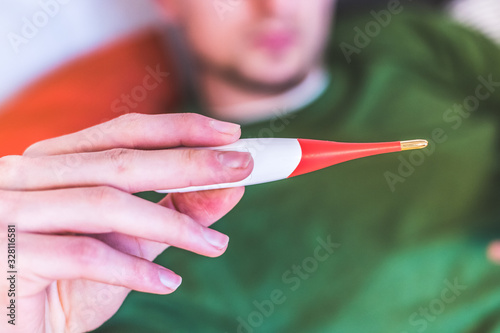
[[84, 241], [494, 252]]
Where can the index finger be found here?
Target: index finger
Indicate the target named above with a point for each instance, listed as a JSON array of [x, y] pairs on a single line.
[[139, 131]]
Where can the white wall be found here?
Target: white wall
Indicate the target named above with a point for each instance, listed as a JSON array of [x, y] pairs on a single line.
[[38, 35]]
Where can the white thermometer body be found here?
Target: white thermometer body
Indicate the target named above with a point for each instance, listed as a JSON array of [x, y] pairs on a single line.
[[273, 159]]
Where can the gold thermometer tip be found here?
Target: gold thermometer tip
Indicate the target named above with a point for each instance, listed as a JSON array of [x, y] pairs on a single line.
[[413, 144]]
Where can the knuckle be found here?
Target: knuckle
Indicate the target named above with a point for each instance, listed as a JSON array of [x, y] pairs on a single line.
[[4, 203], [186, 229], [130, 117], [190, 157], [201, 167], [33, 150], [98, 196], [175, 230], [85, 250], [141, 272], [128, 124], [9, 205], [190, 118], [195, 124], [118, 158], [139, 269], [195, 165], [10, 169], [193, 121]]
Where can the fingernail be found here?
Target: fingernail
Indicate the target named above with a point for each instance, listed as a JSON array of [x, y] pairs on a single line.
[[225, 127], [215, 238], [169, 279], [234, 159]]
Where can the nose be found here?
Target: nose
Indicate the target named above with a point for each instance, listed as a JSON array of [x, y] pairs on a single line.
[[276, 8]]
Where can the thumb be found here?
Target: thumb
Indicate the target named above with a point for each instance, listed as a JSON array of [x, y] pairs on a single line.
[[205, 207]]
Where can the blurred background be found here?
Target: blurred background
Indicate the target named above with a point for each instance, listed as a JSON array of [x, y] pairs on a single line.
[[64, 64], [47, 43]]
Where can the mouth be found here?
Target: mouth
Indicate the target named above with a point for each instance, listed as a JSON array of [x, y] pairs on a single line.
[[275, 41]]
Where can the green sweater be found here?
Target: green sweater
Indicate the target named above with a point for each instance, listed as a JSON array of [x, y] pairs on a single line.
[[391, 243]]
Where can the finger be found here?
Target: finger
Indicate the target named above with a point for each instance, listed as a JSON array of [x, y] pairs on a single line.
[[494, 252], [105, 210], [205, 207], [48, 258], [140, 131], [126, 169]]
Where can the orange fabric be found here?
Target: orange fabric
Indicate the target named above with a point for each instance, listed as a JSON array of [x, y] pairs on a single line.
[[89, 91]]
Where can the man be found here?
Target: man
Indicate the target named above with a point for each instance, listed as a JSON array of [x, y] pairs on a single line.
[[385, 244], [382, 244]]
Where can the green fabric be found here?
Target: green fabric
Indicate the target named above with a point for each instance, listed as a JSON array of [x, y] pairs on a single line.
[[395, 252]]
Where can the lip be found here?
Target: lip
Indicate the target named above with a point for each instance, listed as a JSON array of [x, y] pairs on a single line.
[[275, 41]]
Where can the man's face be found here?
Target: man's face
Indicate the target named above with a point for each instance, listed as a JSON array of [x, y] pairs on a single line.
[[270, 43]]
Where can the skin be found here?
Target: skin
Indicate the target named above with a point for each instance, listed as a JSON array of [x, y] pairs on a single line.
[[80, 232], [85, 241], [251, 50], [71, 201], [494, 252], [235, 69]]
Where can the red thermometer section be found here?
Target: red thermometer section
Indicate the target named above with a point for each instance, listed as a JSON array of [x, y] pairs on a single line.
[[318, 154]]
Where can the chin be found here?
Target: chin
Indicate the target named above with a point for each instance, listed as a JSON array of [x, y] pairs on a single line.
[[276, 73], [275, 78]]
